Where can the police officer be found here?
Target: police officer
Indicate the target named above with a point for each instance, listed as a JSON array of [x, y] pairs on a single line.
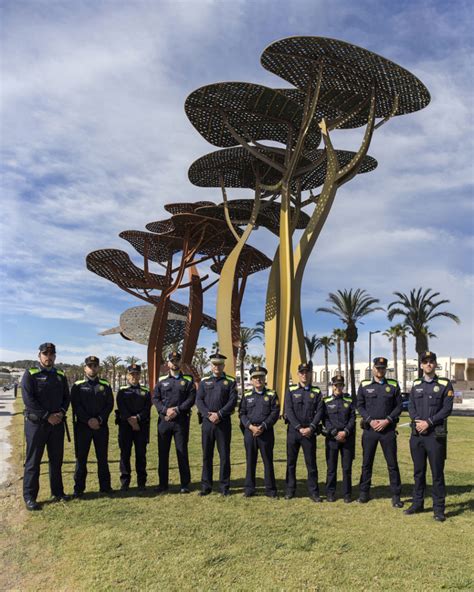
[[379, 402], [92, 402], [45, 393], [173, 397], [259, 411], [133, 418], [339, 429], [303, 411], [216, 400], [430, 404]]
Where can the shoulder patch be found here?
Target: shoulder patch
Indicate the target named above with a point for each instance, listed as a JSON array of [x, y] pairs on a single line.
[[417, 381], [33, 371], [294, 387], [60, 372], [392, 382], [103, 381], [188, 377], [366, 382], [348, 399], [164, 377], [315, 389], [270, 392], [443, 381], [229, 377], [144, 388], [80, 381], [327, 399], [248, 393]]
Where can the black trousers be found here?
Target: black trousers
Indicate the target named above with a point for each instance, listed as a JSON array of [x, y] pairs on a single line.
[[388, 441], [295, 441], [221, 435], [127, 438], [264, 444], [346, 451], [179, 430], [84, 437], [421, 448], [38, 437]]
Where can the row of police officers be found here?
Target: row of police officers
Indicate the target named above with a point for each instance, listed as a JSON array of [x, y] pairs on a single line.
[[307, 413]]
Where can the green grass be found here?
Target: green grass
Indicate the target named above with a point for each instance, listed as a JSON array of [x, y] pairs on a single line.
[[176, 542]]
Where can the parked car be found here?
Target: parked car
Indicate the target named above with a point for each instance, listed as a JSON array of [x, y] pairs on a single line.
[[405, 399]]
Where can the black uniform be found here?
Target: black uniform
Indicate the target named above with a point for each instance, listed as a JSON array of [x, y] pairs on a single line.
[[133, 401], [339, 416], [44, 392], [303, 409], [379, 400], [91, 398], [259, 409], [218, 395], [174, 392], [432, 402]]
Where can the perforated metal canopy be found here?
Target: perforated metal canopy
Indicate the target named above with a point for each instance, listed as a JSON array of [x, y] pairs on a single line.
[[250, 261], [116, 266], [349, 73], [151, 245], [254, 111], [186, 207]]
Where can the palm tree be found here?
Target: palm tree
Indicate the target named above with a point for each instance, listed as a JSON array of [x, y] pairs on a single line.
[[246, 336], [312, 345], [350, 307], [338, 336], [131, 360], [393, 333], [113, 362], [417, 309], [327, 342]]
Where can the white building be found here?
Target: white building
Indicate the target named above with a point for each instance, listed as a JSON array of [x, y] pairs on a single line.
[[459, 370]]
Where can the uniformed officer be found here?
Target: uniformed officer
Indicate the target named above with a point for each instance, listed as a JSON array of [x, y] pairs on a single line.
[[133, 417], [430, 404], [92, 402], [303, 412], [259, 411], [379, 402], [216, 400], [339, 429], [45, 393], [173, 397]]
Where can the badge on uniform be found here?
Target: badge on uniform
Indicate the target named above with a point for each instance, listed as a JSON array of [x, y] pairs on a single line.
[[312, 395], [346, 405], [226, 382], [265, 398], [101, 387], [450, 394], [387, 389], [182, 383], [436, 388]]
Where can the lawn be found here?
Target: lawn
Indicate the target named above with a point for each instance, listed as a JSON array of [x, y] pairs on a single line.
[[138, 541]]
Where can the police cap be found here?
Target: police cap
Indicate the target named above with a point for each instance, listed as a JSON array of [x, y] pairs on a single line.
[[380, 362], [338, 379], [134, 368], [174, 356], [217, 358], [91, 360], [47, 347], [256, 371], [305, 366], [428, 355]]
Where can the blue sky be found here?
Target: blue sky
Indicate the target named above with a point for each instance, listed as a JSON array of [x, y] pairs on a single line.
[[94, 141]]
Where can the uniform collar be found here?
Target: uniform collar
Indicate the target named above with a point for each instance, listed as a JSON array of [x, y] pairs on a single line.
[[44, 369], [305, 387], [92, 380], [221, 377], [381, 381], [180, 375], [429, 380], [258, 393]]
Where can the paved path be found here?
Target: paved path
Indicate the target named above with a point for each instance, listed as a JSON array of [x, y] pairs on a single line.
[[7, 400]]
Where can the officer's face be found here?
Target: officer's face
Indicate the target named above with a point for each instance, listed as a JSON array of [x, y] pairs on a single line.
[[91, 370], [174, 365], [133, 378], [258, 382], [304, 376], [338, 389], [428, 367], [217, 369], [379, 371], [47, 358]]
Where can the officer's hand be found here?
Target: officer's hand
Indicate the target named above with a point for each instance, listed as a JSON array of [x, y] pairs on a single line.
[[306, 432], [341, 436], [374, 424], [53, 419], [93, 423], [134, 423], [214, 417], [383, 423], [171, 413], [421, 425]]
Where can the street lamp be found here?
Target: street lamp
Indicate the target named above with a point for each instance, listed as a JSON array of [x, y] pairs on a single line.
[[370, 348]]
